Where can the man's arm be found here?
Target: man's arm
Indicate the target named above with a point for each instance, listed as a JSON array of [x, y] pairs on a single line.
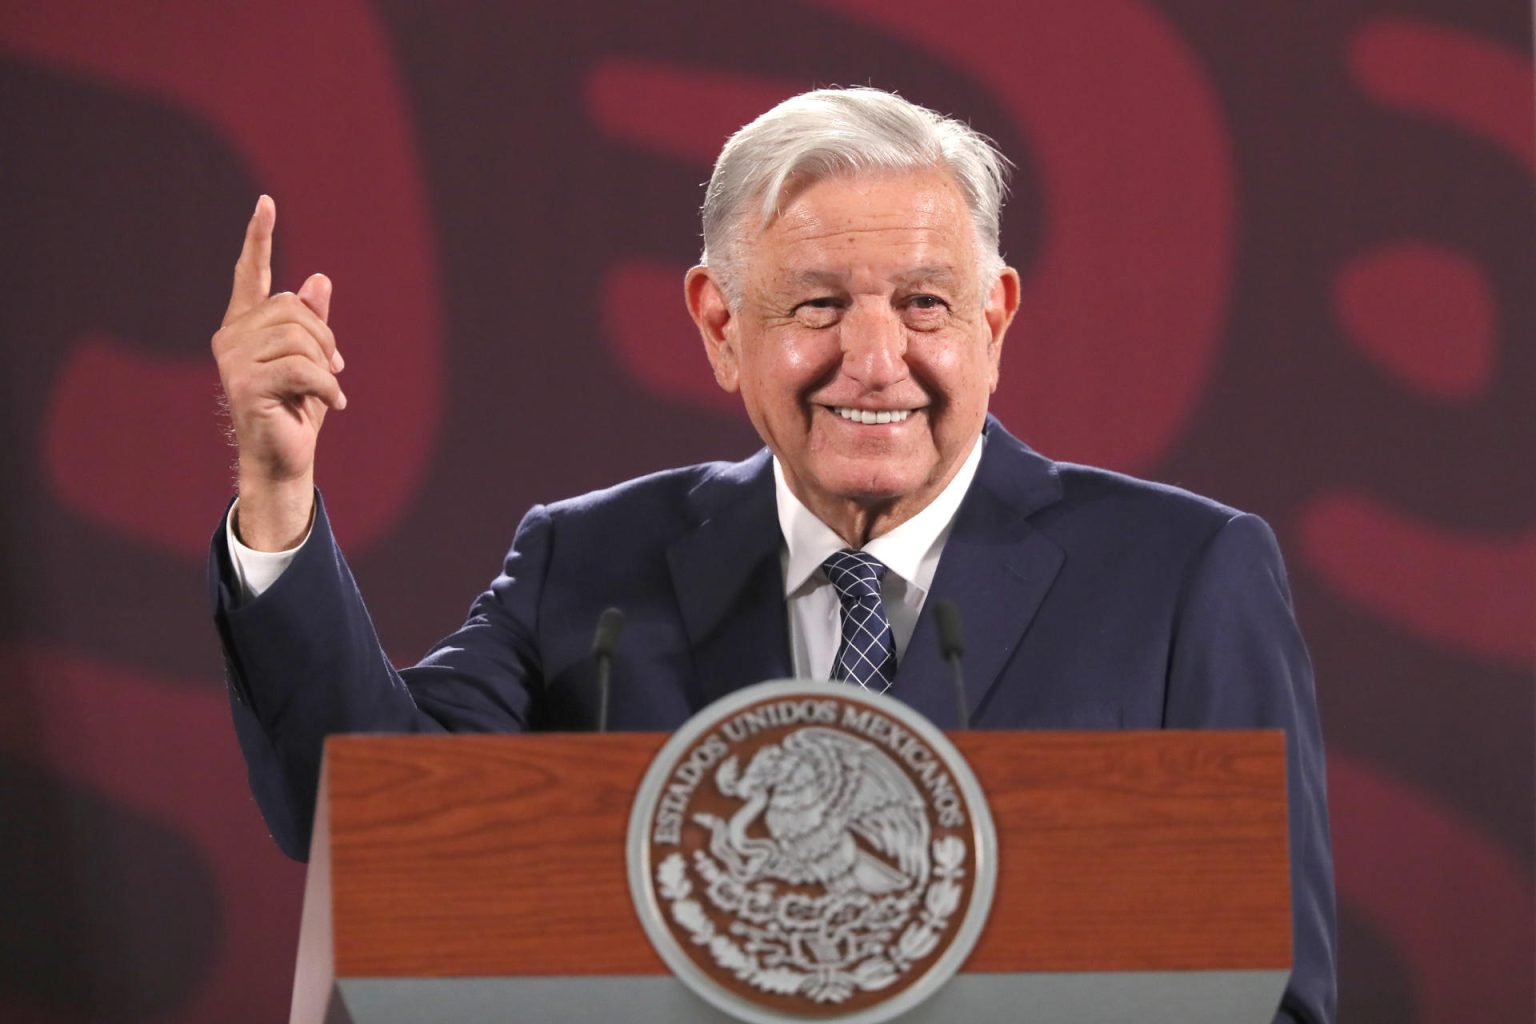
[[304, 662], [1239, 662], [302, 657]]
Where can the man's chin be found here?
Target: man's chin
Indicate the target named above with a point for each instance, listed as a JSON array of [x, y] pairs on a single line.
[[872, 487]]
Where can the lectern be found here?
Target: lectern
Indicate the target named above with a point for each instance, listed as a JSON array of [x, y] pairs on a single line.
[[1143, 876]]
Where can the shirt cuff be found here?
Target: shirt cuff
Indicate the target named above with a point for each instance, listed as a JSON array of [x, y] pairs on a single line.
[[255, 571]]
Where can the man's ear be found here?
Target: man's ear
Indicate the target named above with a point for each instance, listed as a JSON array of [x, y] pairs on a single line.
[[712, 314], [1002, 304]]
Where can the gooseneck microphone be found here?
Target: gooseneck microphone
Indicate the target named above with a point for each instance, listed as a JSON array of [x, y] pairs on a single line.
[[604, 641], [952, 643]]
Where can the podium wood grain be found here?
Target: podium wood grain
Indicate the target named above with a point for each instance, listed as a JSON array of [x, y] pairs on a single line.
[[504, 855]]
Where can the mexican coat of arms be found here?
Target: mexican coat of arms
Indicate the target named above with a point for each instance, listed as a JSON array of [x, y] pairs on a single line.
[[807, 852]]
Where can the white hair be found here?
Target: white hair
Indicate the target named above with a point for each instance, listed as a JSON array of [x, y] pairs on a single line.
[[829, 132]]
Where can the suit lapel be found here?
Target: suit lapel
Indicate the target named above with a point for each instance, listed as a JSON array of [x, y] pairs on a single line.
[[729, 583], [996, 568]]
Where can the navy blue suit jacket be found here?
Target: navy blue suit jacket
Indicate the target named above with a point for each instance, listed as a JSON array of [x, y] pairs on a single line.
[[1090, 600]]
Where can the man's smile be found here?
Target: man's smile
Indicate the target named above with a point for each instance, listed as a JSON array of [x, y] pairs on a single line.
[[871, 415]]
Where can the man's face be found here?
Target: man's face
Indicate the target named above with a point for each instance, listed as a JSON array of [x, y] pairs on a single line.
[[864, 348]]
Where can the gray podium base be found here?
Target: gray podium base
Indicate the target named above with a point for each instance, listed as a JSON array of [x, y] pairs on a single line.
[[1154, 997]]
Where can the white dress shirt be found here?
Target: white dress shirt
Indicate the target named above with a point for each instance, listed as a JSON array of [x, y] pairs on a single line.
[[910, 552]]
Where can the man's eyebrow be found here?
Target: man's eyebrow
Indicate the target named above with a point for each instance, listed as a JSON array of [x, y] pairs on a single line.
[[815, 279], [936, 274]]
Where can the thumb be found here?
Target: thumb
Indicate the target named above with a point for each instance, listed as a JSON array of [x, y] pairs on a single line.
[[316, 294]]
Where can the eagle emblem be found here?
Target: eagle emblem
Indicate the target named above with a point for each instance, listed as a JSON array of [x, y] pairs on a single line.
[[800, 851], [837, 813]]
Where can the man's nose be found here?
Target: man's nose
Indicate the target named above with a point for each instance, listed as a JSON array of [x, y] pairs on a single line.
[[874, 342]]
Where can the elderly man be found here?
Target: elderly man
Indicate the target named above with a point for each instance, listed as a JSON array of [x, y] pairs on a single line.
[[852, 292]]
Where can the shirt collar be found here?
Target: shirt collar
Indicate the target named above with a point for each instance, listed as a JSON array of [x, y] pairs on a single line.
[[911, 550]]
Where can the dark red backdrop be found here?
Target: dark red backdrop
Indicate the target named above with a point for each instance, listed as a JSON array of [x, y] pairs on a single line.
[[1278, 252]]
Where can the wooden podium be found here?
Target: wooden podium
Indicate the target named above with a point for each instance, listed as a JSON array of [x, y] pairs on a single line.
[[1143, 876]]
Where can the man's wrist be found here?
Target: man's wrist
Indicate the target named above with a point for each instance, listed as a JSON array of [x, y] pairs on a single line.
[[255, 570], [273, 517]]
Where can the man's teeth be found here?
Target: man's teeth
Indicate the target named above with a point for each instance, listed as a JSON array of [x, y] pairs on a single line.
[[870, 416]]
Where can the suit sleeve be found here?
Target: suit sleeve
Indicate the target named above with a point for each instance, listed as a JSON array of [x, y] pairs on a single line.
[[303, 661], [1239, 662]]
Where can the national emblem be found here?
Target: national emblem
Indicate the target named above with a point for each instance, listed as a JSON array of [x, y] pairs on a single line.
[[824, 879]]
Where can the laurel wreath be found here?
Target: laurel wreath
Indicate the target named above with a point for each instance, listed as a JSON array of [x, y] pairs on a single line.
[[831, 985]]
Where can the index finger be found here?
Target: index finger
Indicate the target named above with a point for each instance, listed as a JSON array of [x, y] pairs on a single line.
[[253, 271]]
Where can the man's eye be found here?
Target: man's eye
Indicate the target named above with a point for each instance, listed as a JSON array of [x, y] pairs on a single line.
[[927, 302], [822, 311]]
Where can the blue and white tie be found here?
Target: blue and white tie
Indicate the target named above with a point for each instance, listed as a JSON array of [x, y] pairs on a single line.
[[867, 655]]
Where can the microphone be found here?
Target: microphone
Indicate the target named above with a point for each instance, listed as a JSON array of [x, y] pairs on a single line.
[[604, 641], [952, 643]]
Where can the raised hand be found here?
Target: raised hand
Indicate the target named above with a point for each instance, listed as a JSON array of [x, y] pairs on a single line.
[[278, 362]]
